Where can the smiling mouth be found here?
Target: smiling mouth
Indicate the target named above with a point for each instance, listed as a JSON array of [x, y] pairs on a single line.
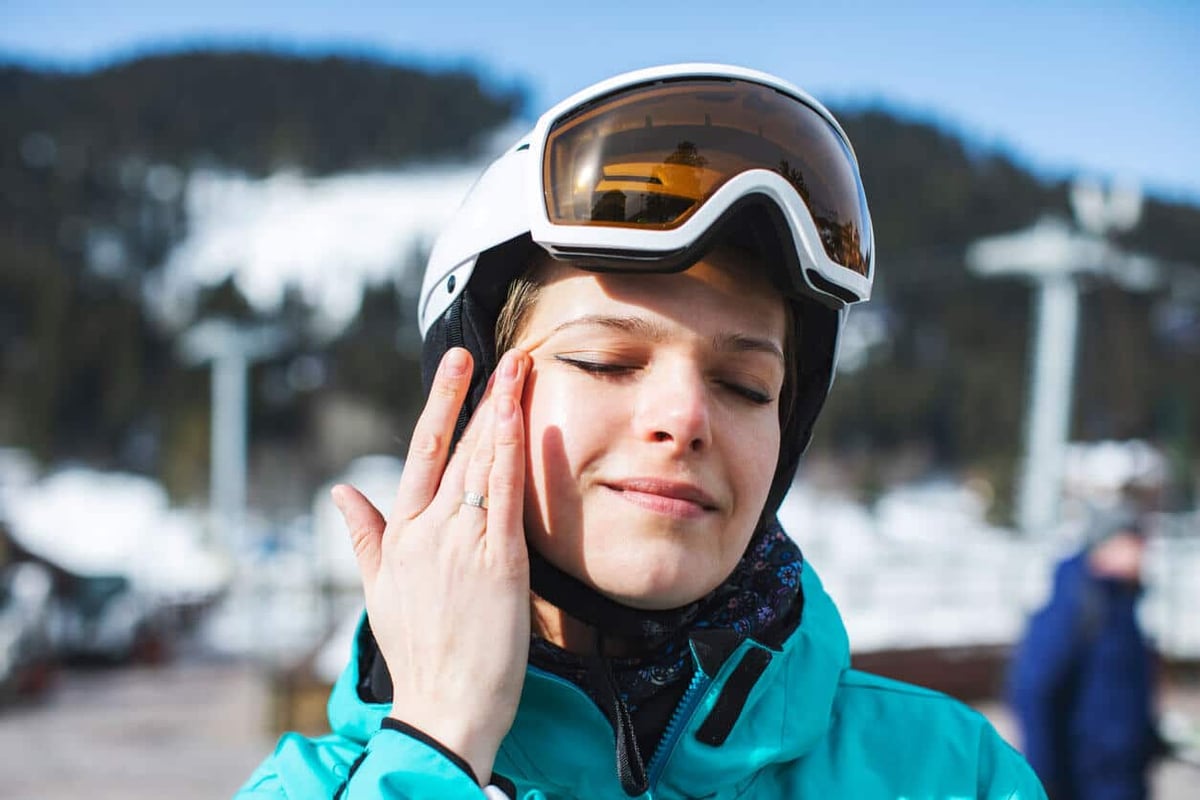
[[669, 498]]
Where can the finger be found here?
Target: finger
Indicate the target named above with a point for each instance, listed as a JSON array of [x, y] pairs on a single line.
[[432, 434], [449, 493], [506, 484], [470, 435], [366, 526], [476, 470]]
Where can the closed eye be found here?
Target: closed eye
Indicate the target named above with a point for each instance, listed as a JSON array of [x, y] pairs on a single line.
[[596, 367], [753, 395], [608, 369]]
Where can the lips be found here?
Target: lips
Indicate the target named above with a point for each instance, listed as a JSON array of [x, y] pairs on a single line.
[[673, 498]]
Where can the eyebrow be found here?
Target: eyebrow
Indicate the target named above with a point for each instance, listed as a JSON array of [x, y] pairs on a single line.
[[651, 331]]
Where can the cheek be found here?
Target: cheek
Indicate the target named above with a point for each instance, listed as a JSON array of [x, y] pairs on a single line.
[[565, 418], [545, 421], [559, 424], [753, 449]]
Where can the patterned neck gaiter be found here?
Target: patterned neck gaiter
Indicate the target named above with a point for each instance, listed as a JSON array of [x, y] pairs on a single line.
[[763, 589]]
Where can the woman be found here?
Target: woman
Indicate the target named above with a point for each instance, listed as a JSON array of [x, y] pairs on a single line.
[[589, 596]]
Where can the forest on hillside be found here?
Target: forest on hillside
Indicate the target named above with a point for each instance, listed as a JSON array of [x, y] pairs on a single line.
[[92, 170]]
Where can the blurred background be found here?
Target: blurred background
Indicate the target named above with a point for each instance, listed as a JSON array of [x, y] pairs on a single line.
[[212, 225]]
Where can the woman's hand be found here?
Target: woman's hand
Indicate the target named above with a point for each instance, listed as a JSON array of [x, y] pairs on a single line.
[[447, 583]]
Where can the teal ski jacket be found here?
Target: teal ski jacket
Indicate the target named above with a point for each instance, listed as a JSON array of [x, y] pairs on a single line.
[[764, 724]]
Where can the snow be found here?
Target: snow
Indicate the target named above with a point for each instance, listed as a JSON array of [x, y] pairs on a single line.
[[331, 658], [923, 568], [326, 237], [274, 611], [284, 603], [377, 477], [1172, 575], [102, 523], [1099, 470]]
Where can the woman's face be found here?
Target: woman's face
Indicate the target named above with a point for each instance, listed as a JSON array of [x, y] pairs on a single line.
[[653, 425]]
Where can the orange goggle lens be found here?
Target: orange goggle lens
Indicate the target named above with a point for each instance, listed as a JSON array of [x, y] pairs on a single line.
[[649, 156]]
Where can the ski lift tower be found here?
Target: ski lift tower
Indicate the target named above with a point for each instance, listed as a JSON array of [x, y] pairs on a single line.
[[1053, 256], [231, 349]]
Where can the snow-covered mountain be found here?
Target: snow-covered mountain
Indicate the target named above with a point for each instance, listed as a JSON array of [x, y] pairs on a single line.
[[326, 237]]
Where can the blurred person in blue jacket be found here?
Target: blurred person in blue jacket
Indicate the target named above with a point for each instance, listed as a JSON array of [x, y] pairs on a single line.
[[1083, 678]]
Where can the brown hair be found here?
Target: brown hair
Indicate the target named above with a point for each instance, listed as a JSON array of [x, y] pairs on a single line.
[[523, 293]]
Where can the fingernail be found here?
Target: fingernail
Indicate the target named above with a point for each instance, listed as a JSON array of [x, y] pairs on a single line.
[[339, 498], [455, 362]]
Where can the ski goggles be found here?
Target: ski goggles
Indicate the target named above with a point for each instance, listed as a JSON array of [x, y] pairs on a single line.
[[638, 174]]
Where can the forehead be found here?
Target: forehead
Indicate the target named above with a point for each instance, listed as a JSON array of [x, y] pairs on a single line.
[[721, 293]]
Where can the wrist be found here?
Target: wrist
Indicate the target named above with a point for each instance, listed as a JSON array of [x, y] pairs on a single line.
[[473, 756]]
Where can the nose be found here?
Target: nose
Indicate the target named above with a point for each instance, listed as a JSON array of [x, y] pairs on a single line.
[[673, 409]]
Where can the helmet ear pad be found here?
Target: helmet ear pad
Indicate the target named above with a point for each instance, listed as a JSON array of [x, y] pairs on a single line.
[[814, 335], [470, 321], [460, 327]]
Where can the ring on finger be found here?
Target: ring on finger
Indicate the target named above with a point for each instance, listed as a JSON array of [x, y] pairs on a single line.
[[474, 499]]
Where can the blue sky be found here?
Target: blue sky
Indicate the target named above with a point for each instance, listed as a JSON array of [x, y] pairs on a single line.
[[1111, 89]]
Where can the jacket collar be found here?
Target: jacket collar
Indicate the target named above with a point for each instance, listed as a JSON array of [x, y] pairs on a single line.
[[769, 706], [559, 735]]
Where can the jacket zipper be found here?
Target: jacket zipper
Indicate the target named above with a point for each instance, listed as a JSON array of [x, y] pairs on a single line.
[[698, 686], [679, 720]]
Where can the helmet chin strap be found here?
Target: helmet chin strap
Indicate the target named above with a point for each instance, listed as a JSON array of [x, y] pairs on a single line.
[[642, 627], [607, 616]]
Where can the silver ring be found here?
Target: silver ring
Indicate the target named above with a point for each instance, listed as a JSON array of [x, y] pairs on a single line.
[[474, 499]]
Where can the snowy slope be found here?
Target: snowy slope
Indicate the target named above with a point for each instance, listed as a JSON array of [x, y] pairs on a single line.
[[324, 236], [95, 523]]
